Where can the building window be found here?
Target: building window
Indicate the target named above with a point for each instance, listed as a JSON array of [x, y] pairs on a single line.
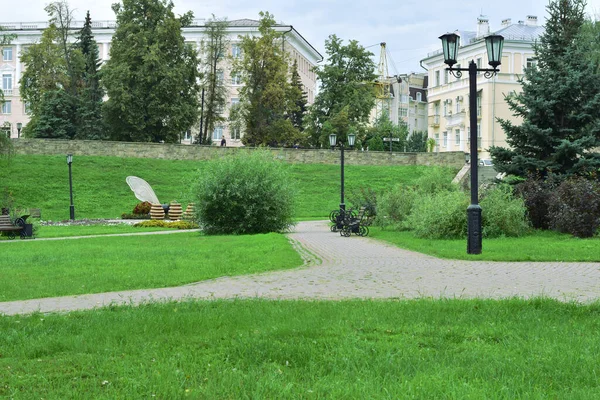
[[7, 54], [437, 141], [6, 82], [27, 108], [235, 133], [419, 96], [478, 62], [446, 74], [236, 51], [457, 105], [220, 75], [457, 137], [531, 62], [218, 133], [235, 79], [437, 78], [445, 139], [403, 111], [7, 107], [445, 108], [187, 135]]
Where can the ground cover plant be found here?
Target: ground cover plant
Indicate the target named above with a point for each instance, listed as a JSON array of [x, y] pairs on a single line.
[[33, 269], [100, 190], [463, 349]]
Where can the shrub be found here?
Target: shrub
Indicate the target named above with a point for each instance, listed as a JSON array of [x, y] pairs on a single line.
[[157, 223], [503, 213], [364, 197], [395, 206], [248, 192], [142, 208], [536, 195], [574, 207], [435, 180], [439, 216]]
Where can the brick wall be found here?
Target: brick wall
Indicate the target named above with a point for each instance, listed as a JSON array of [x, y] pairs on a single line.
[[187, 152]]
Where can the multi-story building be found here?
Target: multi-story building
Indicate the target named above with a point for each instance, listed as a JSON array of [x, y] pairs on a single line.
[[14, 111], [448, 96], [412, 101]]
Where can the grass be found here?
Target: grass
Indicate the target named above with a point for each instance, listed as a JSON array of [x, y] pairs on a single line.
[[458, 349], [54, 231], [100, 190], [31, 269], [538, 246]]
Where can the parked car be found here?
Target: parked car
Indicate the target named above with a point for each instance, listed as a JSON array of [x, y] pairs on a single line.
[[486, 163]]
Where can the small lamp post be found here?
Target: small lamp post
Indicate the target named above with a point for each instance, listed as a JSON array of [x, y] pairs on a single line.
[[19, 126], [450, 45], [72, 207], [333, 142]]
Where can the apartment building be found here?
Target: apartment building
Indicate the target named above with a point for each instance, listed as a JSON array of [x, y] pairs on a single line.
[[448, 96], [14, 111], [412, 101]]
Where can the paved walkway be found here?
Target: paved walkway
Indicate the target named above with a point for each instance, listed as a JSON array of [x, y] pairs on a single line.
[[342, 268]]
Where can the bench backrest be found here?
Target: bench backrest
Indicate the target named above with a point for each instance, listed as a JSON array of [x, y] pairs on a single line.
[[35, 213], [5, 220]]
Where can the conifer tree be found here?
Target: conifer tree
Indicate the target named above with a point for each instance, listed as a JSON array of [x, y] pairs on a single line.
[[297, 99], [559, 104]]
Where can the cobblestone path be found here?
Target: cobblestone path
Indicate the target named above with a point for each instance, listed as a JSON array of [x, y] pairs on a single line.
[[343, 268]]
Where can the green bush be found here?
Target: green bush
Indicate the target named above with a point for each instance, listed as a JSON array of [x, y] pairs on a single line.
[[395, 206], [439, 216], [248, 192], [158, 223], [574, 207], [503, 213], [364, 197], [434, 180]]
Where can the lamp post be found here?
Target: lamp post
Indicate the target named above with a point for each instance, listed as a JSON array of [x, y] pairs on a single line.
[[72, 207], [450, 44], [19, 126], [333, 142]]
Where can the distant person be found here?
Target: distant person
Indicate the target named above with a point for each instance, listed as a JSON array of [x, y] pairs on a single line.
[[223, 142]]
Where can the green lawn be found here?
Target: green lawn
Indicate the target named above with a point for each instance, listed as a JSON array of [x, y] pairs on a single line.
[[538, 246], [100, 190], [424, 349], [34, 269]]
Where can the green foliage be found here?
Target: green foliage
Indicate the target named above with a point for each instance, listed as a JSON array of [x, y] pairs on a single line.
[[152, 75], [559, 103], [395, 206], [439, 216], [55, 117], [435, 180], [364, 197], [214, 48], [345, 84], [248, 192], [417, 142], [155, 223], [503, 213], [263, 69], [384, 128], [574, 207], [430, 144], [297, 99]]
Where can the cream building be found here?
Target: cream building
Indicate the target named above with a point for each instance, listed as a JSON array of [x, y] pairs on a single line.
[[14, 111], [448, 96], [412, 101]]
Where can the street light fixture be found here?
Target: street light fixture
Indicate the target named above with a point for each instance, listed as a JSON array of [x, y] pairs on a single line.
[[19, 126], [333, 142], [72, 207], [450, 45]]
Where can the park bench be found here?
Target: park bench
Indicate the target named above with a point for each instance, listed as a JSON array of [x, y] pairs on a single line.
[[35, 213], [359, 224], [11, 229]]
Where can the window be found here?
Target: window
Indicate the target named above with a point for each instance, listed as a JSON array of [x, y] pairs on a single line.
[[437, 141], [236, 51], [7, 83], [7, 54], [403, 112], [531, 62], [446, 74], [457, 105], [235, 79], [220, 75], [235, 133], [419, 96], [27, 108], [445, 139], [457, 137], [478, 62], [437, 78], [218, 133], [445, 108], [479, 105], [7, 107]]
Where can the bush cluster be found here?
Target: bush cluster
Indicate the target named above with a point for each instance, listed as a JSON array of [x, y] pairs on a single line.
[[158, 223], [245, 193], [142, 208]]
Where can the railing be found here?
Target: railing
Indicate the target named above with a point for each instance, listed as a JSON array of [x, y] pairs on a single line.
[[7, 92], [434, 120]]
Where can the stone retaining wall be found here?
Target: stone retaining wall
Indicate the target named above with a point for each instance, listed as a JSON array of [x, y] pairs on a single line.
[[194, 152]]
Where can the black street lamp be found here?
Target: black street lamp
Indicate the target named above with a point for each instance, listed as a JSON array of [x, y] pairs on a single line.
[[72, 208], [19, 126], [450, 44], [333, 142]]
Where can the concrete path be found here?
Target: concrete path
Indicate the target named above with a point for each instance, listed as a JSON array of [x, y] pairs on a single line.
[[343, 268]]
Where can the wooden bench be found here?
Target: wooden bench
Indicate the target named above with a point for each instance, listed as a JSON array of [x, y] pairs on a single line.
[[7, 226], [35, 213]]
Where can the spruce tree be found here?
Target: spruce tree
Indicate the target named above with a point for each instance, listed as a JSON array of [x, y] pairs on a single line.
[[559, 104], [296, 99]]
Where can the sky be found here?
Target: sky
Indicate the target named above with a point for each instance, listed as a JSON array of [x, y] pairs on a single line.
[[410, 28]]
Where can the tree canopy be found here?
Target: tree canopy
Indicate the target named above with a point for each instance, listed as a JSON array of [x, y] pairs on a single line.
[[559, 104]]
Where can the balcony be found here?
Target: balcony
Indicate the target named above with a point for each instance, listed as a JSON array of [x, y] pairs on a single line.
[[457, 119], [434, 121], [8, 92]]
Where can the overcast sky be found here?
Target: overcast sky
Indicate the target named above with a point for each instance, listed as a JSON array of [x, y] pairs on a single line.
[[409, 27]]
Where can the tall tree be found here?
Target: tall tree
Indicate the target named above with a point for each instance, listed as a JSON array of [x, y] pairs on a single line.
[[296, 99], [152, 75], [214, 49], [345, 82], [263, 69], [559, 103], [384, 128], [89, 115]]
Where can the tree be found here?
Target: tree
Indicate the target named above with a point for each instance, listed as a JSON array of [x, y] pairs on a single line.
[[152, 76], [263, 69], [417, 142], [297, 99], [215, 91], [559, 104], [345, 82], [89, 113], [384, 128]]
